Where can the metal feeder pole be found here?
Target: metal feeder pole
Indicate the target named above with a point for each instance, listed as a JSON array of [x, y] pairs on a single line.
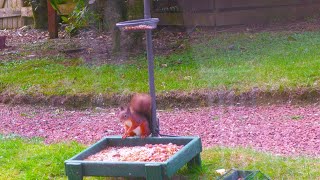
[[154, 125]]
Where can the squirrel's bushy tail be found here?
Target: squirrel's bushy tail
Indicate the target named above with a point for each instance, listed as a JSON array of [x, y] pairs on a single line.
[[141, 103]]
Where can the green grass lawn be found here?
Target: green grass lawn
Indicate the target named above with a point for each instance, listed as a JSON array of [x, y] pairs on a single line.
[[32, 159], [238, 61]]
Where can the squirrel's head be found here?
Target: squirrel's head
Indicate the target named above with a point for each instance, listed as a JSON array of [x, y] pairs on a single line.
[[124, 113]]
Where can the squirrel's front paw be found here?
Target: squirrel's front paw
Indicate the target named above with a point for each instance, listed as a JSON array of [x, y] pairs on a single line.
[[124, 136], [143, 136]]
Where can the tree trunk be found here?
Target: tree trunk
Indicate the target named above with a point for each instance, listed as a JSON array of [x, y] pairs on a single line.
[[40, 14], [135, 11], [114, 11]]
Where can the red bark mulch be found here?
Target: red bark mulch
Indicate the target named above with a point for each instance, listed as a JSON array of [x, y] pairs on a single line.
[[279, 129]]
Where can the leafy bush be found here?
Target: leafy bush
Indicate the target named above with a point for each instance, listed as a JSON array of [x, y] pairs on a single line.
[[81, 16]]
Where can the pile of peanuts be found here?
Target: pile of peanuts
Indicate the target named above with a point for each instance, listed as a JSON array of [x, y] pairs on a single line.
[[147, 153], [136, 28]]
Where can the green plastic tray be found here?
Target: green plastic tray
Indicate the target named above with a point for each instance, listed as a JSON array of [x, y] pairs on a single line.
[[76, 167]]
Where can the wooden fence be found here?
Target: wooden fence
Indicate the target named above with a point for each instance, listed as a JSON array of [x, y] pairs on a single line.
[[10, 14], [232, 12], [15, 13]]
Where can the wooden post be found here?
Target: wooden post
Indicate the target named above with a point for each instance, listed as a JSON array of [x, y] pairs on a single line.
[[2, 42], [52, 21]]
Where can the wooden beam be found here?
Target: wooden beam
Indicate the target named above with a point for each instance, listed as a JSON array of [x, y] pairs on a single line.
[[8, 12], [52, 22]]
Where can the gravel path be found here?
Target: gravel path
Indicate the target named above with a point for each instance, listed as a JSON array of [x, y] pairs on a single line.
[[280, 129]]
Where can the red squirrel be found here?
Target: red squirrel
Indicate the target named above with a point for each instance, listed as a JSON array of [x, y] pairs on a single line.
[[137, 116]]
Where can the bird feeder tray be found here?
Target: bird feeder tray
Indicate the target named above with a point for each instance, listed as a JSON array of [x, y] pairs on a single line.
[[77, 167], [138, 25]]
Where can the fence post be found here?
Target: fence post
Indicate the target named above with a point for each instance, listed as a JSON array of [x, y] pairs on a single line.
[[52, 22]]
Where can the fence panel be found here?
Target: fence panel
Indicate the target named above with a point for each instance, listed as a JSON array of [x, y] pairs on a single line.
[[238, 12], [266, 14], [10, 14]]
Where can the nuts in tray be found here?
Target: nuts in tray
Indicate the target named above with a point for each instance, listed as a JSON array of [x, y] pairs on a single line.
[[137, 28], [147, 153], [138, 24]]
